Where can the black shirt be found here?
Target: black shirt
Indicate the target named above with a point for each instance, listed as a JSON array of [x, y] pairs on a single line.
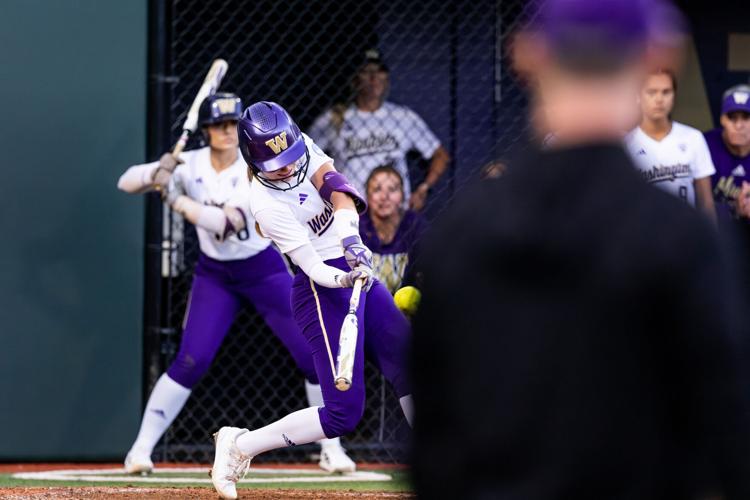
[[571, 342]]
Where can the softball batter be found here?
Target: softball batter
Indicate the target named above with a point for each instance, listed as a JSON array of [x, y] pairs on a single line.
[[311, 212]]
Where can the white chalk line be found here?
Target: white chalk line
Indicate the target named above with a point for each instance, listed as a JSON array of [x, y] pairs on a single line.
[[104, 475]]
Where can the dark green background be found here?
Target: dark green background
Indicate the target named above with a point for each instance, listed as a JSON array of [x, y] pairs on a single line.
[[73, 86]]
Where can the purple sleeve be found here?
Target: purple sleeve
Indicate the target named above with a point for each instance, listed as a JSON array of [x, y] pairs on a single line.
[[336, 181]]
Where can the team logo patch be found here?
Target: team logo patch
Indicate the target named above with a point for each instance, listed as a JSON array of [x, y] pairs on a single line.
[[739, 171], [288, 441], [740, 97], [278, 143], [160, 413], [302, 198], [225, 106]]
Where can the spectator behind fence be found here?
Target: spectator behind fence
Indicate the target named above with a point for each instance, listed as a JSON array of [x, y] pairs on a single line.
[[670, 155], [371, 131], [582, 342], [391, 232], [730, 150]]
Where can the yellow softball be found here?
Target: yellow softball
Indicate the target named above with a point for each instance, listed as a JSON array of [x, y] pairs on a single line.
[[407, 299]]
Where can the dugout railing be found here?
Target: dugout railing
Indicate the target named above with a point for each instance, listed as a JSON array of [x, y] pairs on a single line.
[[447, 62]]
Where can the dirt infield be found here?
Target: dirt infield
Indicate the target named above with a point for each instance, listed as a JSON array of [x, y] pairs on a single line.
[[138, 491], [132, 493]]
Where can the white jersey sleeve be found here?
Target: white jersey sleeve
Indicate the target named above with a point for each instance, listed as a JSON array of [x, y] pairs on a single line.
[[703, 165], [137, 179], [277, 222]]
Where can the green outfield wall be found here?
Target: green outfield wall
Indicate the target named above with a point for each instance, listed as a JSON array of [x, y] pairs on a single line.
[[73, 92]]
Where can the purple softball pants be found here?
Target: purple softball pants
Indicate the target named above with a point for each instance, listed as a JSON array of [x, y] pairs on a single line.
[[220, 289], [383, 336]]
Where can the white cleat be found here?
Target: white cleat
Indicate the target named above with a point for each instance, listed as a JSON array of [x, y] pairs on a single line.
[[137, 462], [333, 458], [230, 464]]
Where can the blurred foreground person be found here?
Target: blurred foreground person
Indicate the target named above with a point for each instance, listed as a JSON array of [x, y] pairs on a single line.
[[585, 344]]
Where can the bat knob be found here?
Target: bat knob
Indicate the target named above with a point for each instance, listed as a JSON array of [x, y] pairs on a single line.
[[343, 384]]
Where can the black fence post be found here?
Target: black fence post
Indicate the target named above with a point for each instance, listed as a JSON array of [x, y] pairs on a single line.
[[158, 100]]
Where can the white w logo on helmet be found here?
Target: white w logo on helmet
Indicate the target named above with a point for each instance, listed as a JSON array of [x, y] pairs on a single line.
[[278, 143], [740, 97], [226, 105]]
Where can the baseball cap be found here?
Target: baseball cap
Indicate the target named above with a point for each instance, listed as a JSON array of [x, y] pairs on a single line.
[[372, 56], [603, 34], [736, 98]]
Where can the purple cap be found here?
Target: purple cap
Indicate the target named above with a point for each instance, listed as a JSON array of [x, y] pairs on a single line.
[[605, 33], [737, 98]]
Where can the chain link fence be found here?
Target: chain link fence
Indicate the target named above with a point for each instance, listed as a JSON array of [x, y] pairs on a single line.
[[446, 62]]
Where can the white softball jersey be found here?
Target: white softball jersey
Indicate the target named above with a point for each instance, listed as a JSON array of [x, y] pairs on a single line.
[[365, 140], [298, 216], [197, 179], [673, 163]]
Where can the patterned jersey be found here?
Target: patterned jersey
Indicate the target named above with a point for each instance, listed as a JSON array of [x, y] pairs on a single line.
[[197, 179], [674, 162], [365, 140], [731, 171], [298, 216], [391, 261]]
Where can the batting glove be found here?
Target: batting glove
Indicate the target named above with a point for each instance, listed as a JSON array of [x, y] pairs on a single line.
[[356, 253], [365, 273], [167, 164], [170, 193]]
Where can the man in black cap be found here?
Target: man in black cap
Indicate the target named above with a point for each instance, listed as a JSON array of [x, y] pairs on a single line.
[[372, 132], [577, 348]]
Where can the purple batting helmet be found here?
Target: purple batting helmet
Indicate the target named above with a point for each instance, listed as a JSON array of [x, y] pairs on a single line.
[[270, 140]]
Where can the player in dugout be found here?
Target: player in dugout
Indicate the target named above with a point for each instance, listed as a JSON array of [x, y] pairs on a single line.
[[371, 131], [671, 155], [209, 187], [730, 151], [587, 343], [389, 230]]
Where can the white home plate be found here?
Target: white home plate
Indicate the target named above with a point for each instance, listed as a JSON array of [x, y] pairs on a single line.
[[297, 476]]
